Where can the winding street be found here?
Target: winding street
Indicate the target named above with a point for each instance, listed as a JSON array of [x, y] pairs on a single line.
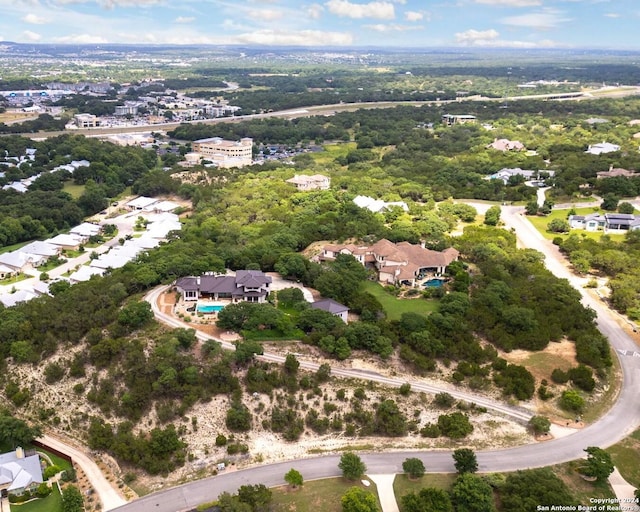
[[619, 422]]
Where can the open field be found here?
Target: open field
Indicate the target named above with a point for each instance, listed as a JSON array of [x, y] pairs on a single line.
[[73, 190]]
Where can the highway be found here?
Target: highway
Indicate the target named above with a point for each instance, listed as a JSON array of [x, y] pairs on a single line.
[[619, 422]]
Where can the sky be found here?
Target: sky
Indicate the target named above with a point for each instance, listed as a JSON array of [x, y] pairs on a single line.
[[400, 23]]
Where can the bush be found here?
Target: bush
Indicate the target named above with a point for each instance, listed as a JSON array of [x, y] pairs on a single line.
[[572, 401], [559, 377], [43, 490], [455, 425], [430, 430], [51, 471], [221, 440]]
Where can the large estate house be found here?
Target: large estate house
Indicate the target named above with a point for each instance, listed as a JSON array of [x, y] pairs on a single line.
[[402, 263], [246, 285], [314, 182]]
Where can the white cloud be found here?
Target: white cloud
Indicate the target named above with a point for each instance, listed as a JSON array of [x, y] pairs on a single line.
[[34, 19], [80, 39], [377, 10], [314, 11], [472, 37], [491, 38], [265, 14], [510, 3], [110, 4], [300, 38], [184, 19], [413, 16], [391, 27], [543, 20], [612, 15], [31, 36]]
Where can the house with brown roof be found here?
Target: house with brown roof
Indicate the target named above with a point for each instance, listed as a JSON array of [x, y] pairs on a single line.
[[506, 145], [316, 182], [616, 172], [396, 263]]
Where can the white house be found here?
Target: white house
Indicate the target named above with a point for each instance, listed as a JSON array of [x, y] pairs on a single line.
[[601, 148], [378, 205], [18, 472], [315, 182]]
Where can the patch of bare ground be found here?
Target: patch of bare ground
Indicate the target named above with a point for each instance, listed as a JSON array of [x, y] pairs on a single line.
[[560, 355]]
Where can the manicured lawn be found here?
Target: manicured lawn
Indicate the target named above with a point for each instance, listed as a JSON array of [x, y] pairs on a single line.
[[52, 503], [317, 495], [73, 190], [9, 248], [626, 457], [14, 279], [541, 223], [394, 307], [403, 485]]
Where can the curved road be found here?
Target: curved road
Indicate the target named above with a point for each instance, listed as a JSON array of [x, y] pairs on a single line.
[[622, 419]]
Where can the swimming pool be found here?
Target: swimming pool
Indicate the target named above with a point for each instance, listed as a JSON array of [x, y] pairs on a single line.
[[209, 308], [434, 283]]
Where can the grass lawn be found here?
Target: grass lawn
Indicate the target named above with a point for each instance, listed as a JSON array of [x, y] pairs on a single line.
[[72, 189], [52, 503], [316, 495], [626, 457], [333, 151], [272, 335], [540, 223], [394, 307], [582, 489], [9, 248], [403, 485], [14, 279]]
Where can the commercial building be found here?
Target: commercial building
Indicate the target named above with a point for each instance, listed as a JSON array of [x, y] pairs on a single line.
[[225, 153]]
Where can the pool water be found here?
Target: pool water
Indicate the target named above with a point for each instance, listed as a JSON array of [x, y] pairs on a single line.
[[434, 283], [206, 308]]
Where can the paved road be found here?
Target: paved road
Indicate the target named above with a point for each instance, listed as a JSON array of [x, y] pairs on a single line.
[[109, 496]]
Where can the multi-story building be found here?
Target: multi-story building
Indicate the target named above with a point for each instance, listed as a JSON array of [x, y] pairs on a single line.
[[225, 153]]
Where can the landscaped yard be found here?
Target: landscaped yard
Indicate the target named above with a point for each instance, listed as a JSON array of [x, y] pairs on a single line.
[[403, 485], [540, 223], [316, 495], [52, 503], [73, 190], [394, 307]]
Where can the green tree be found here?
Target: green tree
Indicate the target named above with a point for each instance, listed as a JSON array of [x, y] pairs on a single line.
[[571, 401], [389, 421], [352, 466], [413, 467], [291, 365], [470, 493], [626, 208], [428, 499], [72, 499], [610, 202], [540, 425], [135, 314], [531, 208], [357, 499], [534, 488], [492, 216], [258, 497], [465, 460], [455, 425], [599, 464], [293, 478], [558, 226], [16, 432]]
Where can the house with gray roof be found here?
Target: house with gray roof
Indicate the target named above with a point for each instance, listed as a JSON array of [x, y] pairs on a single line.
[[333, 307], [244, 286], [19, 473]]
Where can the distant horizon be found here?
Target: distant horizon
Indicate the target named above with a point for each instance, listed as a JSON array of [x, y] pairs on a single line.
[[463, 24], [380, 48]]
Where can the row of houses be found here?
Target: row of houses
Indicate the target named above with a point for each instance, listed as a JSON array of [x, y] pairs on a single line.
[[23, 185], [609, 222], [36, 254]]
